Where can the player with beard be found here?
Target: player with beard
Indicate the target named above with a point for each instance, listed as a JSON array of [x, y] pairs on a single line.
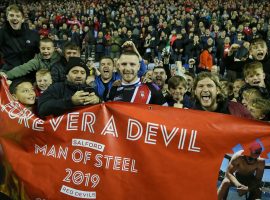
[[63, 96], [209, 96], [245, 172], [131, 88], [18, 43], [108, 77]]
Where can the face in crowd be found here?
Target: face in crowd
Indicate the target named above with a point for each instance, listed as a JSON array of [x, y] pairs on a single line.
[[159, 77], [258, 50], [129, 66], [178, 92], [256, 113], [44, 81], [206, 92], [77, 75], [106, 69], [148, 75], [15, 19], [190, 82], [249, 95], [25, 94], [71, 53], [256, 78], [237, 86], [46, 49]]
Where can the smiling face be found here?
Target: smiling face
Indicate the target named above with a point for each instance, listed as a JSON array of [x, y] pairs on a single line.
[[106, 69], [206, 92], [159, 77], [15, 19], [44, 81], [129, 66], [25, 94], [178, 92], [46, 49]]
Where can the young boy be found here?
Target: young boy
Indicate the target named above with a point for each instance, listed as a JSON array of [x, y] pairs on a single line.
[[237, 84], [254, 74], [249, 94], [259, 108], [45, 59], [177, 86], [43, 80], [23, 91]]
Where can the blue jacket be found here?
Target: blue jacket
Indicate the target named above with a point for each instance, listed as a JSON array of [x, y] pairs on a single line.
[[100, 88], [116, 76]]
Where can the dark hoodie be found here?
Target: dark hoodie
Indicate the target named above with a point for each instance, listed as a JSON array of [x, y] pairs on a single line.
[[18, 46]]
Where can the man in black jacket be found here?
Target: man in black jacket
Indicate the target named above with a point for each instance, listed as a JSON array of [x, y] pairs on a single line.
[[63, 96], [58, 70], [18, 44]]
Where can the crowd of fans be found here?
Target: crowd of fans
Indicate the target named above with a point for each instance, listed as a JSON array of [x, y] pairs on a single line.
[[177, 45], [210, 55]]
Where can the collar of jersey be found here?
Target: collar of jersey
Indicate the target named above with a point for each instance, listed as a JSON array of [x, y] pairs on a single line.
[[137, 82]]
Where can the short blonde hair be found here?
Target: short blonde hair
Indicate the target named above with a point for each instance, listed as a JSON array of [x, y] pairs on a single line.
[[16, 8], [42, 72]]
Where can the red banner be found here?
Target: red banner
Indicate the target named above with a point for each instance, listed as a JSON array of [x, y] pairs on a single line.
[[119, 151]]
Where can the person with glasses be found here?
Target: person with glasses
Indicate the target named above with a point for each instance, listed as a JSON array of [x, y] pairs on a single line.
[[245, 172]]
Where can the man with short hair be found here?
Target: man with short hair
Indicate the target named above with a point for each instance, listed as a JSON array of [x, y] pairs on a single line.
[[131, 88], [63, 96], [190, 81], [58, 70], [107, 75], [159, 77]]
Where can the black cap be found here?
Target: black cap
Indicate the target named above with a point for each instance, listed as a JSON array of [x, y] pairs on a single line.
[[74, 62]]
